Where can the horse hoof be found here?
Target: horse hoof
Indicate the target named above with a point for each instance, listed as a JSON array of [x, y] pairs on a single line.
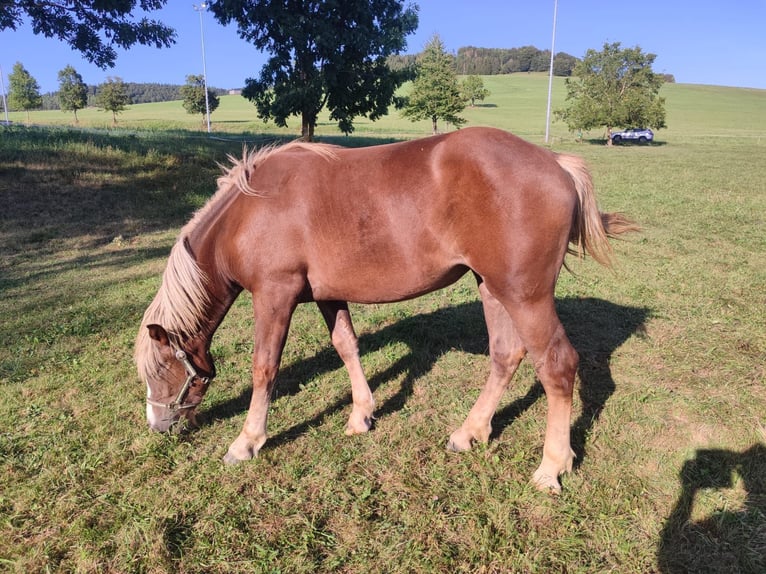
[[454, 446], [230, 460], [358, 426], [459, 441], [546, 483]]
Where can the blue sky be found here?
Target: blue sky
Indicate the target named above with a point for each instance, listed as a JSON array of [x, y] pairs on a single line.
[[718, 43]]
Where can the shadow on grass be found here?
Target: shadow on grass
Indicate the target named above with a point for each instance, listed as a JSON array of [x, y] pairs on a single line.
[[65, 182], [625, 143], [729, 540], [595, 327]]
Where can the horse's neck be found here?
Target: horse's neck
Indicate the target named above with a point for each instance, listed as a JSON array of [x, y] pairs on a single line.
[[200, 237], [219, 304], [221, 293]]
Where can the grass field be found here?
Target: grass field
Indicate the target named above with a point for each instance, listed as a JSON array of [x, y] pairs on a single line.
[[669, 424]]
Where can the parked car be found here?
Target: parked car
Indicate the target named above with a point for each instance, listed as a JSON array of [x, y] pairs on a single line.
[[640, 135]]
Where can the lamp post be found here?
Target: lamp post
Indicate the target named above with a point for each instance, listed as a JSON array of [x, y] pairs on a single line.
[[200, 9], [550, 73], [5, 102]]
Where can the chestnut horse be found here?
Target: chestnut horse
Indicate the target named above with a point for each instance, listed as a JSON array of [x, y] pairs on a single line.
[[310, 222]]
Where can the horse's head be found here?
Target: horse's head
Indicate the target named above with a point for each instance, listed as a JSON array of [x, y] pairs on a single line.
[[176, 379]]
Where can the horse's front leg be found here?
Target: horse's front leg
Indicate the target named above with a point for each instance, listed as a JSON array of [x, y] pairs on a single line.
[[272, 320], [344, 340]]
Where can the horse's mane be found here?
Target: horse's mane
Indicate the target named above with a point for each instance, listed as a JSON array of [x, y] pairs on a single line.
[[238, 175], [182, 298], [178, 307]]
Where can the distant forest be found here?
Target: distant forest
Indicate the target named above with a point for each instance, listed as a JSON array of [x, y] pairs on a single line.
[[138, 94], [492, 61]]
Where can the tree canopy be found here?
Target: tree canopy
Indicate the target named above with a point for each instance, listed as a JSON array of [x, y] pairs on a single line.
[[23, 90], [92, 27], [323, 54], [473, 89], [193, 94], [112, 97], [73, 93], [489, 61], [614, 87], [435, 92]]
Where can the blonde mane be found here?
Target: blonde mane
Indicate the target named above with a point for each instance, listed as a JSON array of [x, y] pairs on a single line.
[[178, 307], [238, 175]]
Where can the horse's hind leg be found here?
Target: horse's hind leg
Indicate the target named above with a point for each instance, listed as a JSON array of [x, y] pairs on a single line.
[[555, 360], [344, 340], [506, 352]]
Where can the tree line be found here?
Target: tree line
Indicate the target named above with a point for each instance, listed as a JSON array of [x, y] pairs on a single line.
[[114, 95], [472, 61], [137, 92]]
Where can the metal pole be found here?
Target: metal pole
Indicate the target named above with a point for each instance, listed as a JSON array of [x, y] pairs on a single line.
[[5, 102], [550, 74], [201, 8]]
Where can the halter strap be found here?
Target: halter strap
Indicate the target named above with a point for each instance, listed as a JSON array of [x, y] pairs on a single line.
[[178, 404]]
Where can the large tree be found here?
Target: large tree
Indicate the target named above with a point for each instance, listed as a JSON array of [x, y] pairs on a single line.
[[193, 93], [23, 90], [112, 97], [73, 93], [324, 53], [92, 27], [614, 87], [435, 92]]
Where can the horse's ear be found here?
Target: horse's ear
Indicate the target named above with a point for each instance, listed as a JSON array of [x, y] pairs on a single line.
[[159, 334]]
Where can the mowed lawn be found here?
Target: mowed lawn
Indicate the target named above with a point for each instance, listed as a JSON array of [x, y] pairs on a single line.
[[670, 407]]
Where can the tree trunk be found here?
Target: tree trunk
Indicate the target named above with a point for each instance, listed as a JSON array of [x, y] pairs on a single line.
[[608, 135], [307, 127], [435, 129]]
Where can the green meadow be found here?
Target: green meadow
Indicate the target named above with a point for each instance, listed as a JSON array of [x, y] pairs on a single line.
[[669, 424]]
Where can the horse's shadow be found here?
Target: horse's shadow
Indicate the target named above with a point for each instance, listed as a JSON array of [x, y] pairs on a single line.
[[729, 540], [595, 327]]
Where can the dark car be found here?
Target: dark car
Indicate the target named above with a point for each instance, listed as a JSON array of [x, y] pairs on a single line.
[[640, 135]]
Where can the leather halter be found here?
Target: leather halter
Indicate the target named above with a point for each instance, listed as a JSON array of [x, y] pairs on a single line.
[[178, 403]]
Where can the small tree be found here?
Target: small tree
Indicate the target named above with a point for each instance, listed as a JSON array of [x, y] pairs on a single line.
[[473, 89], [193, 93], [23, 90], [112, 97], [614, 87], [435, 92], [73, 93]]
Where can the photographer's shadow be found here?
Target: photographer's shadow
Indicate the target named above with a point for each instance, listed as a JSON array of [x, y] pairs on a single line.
[[729, 540]]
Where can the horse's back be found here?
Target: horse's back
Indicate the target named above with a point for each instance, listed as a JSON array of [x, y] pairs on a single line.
[[394, 221]]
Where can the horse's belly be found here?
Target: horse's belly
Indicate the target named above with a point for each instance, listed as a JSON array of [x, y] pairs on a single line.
[[382, 285]]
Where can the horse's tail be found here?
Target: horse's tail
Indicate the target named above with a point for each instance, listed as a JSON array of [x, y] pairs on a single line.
[[591, 229]]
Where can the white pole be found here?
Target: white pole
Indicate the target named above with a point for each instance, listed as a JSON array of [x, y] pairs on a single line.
[[2, 89], [201, 8], [550, 75]]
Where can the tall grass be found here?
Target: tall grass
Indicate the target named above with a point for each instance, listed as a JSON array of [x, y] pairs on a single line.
[[669, 422]]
